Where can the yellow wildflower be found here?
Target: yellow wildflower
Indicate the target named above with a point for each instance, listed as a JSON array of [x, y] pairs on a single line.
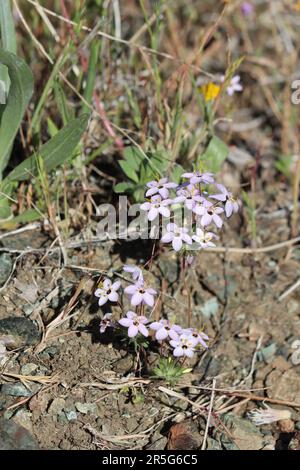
[[210, 91]]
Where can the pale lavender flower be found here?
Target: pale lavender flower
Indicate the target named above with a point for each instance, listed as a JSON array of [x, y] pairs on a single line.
[[165, 329], [197, 177], [190, 196], [184, 345], [247, 8], [135, 324], [107, 291], [233, 85], [135, 271], [156, 206], [161, 187], [210, 213], [231, 204], [204, 238], [106, 322], [139, 294], [268, 415], [198, 335], [177, 235]]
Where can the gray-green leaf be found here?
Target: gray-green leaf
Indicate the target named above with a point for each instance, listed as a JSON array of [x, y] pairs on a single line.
[[55, 152], [20, 92]]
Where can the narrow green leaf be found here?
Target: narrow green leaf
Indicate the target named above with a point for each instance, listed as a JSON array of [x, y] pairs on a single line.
[[62, 103], [8, 42], [20, 93], [55, 152], [91, 76], [8, 35]]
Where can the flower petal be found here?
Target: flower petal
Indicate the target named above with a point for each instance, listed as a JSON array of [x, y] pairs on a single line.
[[161, 334], [132, 331], [148, 299], [143, 330], [125, 322], [136, 299]]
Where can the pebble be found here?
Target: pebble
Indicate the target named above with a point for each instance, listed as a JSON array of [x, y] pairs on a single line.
[[246, 435], [5, 267], [18, 332], [71, 415], [15, 437], [56, 406], [29, 368], [85, 408], [49, 352], [16, 389]]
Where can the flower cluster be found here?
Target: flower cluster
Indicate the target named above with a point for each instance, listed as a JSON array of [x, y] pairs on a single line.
[[194, 195], [183, 341]]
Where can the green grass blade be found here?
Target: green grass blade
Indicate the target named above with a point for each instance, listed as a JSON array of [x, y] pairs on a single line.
[[20, 92], [55, 152], [8, 40], [7, 28]]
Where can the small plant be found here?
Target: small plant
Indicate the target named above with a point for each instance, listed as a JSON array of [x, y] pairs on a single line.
[[202, 202], [170, 371]]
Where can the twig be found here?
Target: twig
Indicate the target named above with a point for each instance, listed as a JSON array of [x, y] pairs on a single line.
[[26, 228], [289, 290], [269, 400], [209, 414]]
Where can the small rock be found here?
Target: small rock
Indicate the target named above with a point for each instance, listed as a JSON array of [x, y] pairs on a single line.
[[71, 415], [29, 368], [28, 309], [210, 308], [184, 436], [17, 332], [246, 436], [5, 267], [266, 354], [85, 408], [23, 418], [286, 425], [56, 406], [28, 292], [284, 386], [124, 365], [16, 389], [158, 444], [49, 352], [15, 437]]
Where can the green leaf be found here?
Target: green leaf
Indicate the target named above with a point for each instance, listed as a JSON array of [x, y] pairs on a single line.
[[215, 154], [62, 103], [123, 187], [8, 41], [55, 152], [30, 215], [5, 210], [128, 170], [134, 157], [8, 35], [92, 72], [20, 93]]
